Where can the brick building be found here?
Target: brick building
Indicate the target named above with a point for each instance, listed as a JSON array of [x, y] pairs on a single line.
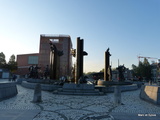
[[62, 42], [24, 61]]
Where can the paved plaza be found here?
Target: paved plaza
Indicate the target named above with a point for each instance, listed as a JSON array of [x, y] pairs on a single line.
[[69, 107]]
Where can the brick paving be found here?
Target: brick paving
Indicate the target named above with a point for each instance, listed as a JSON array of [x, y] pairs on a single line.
[[70, 107]]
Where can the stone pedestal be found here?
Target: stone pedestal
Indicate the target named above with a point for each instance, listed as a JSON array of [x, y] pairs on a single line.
[[117, 95], [37, 94]]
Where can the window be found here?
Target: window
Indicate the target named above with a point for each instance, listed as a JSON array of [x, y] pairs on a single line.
[[33, 60], [54, 40]]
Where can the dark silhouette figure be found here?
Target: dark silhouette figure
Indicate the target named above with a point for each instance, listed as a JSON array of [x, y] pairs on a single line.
[[36, 71], [121, 70], [107, 70], [83, 79], [46, 72], [33, 71], [14, 77]]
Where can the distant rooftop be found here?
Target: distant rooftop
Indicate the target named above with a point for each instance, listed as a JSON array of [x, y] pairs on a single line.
[[54, 35]]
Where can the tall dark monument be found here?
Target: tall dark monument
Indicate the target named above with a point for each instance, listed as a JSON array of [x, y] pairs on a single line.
[[79, 87], [107, 69], [79, 59], [54, 61]]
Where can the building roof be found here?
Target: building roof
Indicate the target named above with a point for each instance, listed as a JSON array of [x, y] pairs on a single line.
[[54, 35], [27, 54]]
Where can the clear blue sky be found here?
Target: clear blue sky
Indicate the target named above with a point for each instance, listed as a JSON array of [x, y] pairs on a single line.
[[128, 27]]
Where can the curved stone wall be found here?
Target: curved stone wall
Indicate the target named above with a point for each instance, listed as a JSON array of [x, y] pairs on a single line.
[[19, 80], [111, 83], [122, 87], [46, 87], [7, 90], [30, 80]]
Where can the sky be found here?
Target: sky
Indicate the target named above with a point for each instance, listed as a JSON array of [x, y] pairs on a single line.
[[130, 28]]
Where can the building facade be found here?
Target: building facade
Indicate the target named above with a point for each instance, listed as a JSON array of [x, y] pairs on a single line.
[[42, 59], [62, 43], [24, 61]]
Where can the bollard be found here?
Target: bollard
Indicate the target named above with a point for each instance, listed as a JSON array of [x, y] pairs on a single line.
[[37, 94], [117, 95], [149, 82]]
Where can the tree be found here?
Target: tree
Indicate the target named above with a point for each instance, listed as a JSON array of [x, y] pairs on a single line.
[[142, 70], [12, 64], [134, 69], [89, 73], [102, 70], [146, 69], [2, 60]]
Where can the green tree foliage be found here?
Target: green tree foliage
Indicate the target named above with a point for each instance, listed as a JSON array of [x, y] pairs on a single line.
[[2, 60], [102, 70], [142, 70], [12, 64], [147, 69], [88, 73]]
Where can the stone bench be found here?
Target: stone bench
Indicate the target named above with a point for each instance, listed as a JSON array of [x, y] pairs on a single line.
[[7, 90], [150, 93]]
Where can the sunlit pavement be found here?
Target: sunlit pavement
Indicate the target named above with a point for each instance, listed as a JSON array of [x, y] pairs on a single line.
[[69, 107]]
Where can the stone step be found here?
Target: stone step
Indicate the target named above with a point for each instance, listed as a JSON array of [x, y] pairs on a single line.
[[86, 91], [79, 93], [78, 89]]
